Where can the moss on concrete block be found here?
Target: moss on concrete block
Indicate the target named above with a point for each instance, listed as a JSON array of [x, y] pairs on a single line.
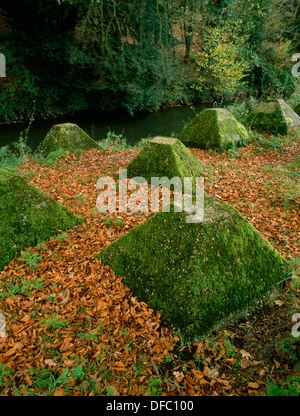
[[196, 274], [67, 136], [27, 216], [274, 117], [164, 156], [214, 128]]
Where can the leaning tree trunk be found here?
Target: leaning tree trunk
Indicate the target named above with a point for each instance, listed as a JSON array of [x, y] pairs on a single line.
[[188, 38]]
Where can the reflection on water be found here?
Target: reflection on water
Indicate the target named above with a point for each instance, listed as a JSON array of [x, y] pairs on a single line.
[[165, 122]]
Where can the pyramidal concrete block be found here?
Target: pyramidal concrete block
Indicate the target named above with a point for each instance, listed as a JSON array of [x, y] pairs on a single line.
[[28, 216], [214, 128], [275, 117], [164, 157], [196, 274], [67, 136], [297, 109]]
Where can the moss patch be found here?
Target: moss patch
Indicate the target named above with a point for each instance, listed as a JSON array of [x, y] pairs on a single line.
[[297, 109], [275, 117], [196, 274], [66, 136], [164, 156], [27, 216], [214, 128]]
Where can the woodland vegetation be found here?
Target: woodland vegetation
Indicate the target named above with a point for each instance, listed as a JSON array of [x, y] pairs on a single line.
[[67, 56]]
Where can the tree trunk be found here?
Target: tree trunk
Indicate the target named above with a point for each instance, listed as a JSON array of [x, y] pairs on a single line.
[[188, 38]]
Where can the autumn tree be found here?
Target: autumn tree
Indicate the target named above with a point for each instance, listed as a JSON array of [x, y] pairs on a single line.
[[221, 65], [74, 55]]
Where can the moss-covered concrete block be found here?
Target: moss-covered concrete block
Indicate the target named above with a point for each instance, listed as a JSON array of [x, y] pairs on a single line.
[[196, 274], [27, 216], [67, 136], [214, 128], [164, 156], [274, 117]]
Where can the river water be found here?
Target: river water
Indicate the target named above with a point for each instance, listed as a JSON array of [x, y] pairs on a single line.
[[165, 122]]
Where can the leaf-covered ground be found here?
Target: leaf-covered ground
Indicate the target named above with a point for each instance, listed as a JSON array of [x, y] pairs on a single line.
[[74, 328]]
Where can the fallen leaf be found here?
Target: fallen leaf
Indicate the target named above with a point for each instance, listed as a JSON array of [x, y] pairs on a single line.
[[50, 362], [279, 302], [26, 318], [245, 354], [253, 385], [277, 364], [59, 392], [178, 375], [214, 372], [244, 363], [68, 362], [157, 348], [18, 346], [205, 385]]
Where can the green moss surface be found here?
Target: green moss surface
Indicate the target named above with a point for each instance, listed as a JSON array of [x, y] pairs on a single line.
[[274, 117], [164, 156], [27, 216], [196, 274], [297, 109], [66, 136], [214, 128]]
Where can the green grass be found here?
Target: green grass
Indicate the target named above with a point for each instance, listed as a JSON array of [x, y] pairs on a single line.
[[5, 376], [294, 168], [289, 387], [154, 388], [114, 141], [113, 221], [51, 159], [48, 380], [273, 143], [24, 287], [14, 155], [81, 198], [93, 335], [31, 259], [54, 322]]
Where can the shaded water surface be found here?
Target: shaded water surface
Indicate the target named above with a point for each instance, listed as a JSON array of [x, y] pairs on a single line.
[[165, 122]]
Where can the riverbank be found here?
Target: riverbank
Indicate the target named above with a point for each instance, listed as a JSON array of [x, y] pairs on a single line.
[[167, 121]]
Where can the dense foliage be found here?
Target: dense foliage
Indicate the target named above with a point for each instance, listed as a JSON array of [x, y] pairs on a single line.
[[65, 56]]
